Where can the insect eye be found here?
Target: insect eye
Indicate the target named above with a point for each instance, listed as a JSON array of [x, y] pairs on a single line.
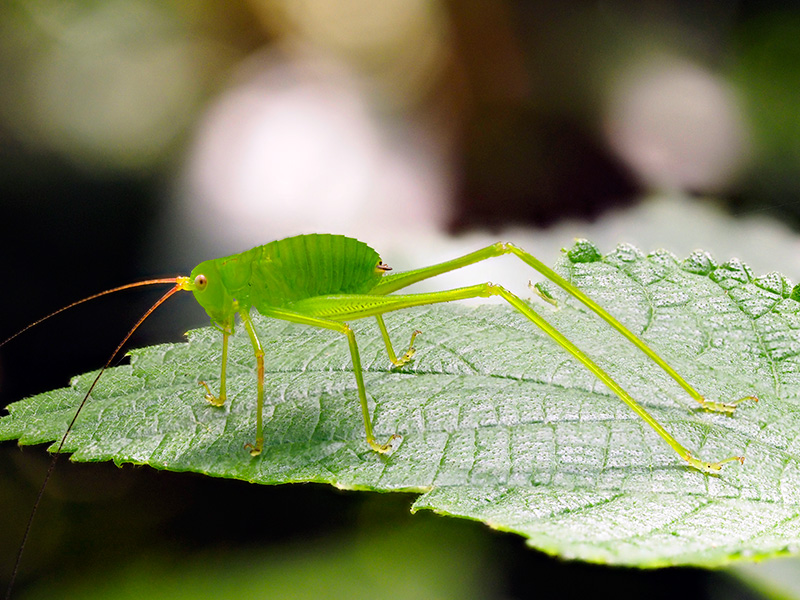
[[200, 282]]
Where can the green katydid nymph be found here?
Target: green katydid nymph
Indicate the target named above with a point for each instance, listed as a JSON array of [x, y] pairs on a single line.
[[324, 280]]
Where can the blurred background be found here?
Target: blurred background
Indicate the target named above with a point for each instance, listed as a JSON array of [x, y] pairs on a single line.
[[138, 137]]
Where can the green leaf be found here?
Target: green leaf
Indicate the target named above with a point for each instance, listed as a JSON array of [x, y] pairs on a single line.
[[498, 423]]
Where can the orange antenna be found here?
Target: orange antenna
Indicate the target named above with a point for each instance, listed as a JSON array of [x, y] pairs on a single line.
[[177, 280], [181, 283]]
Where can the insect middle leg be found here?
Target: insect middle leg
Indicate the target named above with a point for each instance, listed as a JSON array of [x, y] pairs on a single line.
[[323, 323], [406, 358]]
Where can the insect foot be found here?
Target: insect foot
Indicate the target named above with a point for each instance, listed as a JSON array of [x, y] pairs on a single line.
[[709, 467], [383, 448], [409, 355], [255, 449], [724, 407], [211, 398]]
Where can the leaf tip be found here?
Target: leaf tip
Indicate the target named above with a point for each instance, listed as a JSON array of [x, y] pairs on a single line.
[[583, 251]]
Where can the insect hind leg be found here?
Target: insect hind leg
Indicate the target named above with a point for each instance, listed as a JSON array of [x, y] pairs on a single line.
[[726, 407], [360, 306], [397, 281]]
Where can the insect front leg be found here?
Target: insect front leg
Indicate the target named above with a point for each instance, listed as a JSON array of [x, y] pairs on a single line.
[[220, 399], [255, 449], [408, 356]]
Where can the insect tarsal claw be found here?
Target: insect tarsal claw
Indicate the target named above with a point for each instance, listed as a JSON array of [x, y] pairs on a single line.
[[211, 398], [255, 449]]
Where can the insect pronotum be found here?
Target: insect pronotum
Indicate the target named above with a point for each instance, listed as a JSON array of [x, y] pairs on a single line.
[[323, 280]]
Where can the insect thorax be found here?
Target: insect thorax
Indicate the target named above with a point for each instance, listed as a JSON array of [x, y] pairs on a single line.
[[284, 271]]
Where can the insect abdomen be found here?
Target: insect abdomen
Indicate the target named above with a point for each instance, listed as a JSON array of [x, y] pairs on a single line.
[[305, 266]]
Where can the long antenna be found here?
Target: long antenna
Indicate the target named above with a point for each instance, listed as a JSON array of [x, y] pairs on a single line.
[[180, 284], [92, 297]]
